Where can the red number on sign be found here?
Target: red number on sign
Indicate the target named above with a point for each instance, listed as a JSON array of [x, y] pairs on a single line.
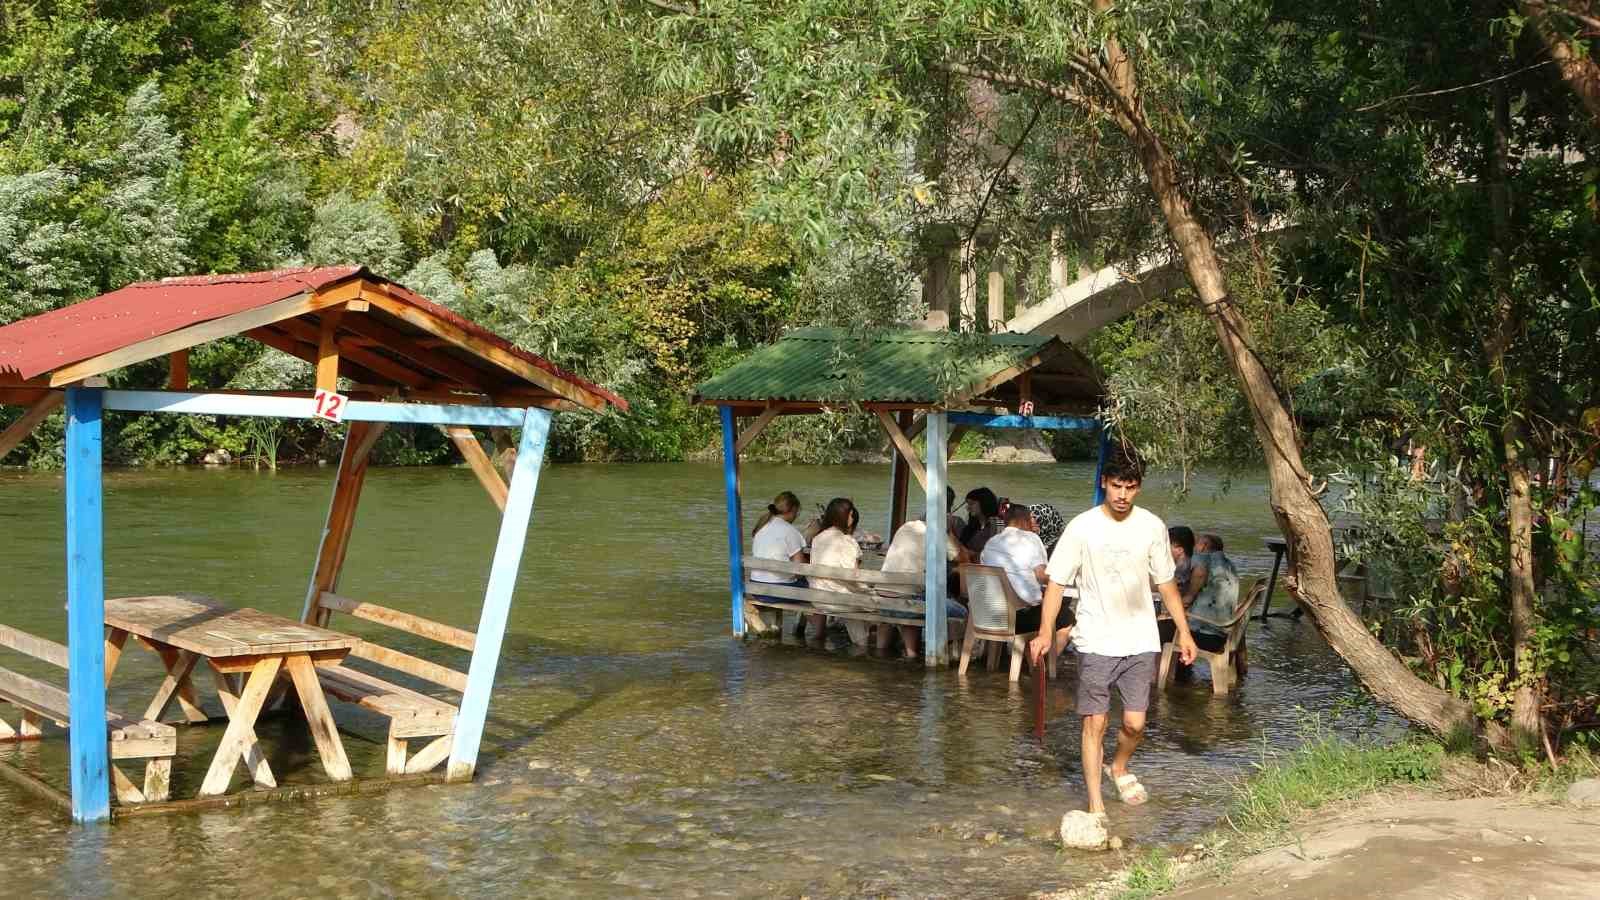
[[328, 405]]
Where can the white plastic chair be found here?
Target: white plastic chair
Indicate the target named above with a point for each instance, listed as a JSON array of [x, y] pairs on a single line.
[[992, 607], [1228, 665]]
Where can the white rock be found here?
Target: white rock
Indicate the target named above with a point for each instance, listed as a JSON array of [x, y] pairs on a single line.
[[1584, 793], [1081, 830]]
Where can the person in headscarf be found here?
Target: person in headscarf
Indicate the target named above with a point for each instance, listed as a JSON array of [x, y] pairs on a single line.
[[1050, 524]]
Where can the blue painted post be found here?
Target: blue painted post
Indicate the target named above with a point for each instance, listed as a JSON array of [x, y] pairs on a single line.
[[497, 596], [936, 577], [730, 484], [1100, 465], [86, 609]]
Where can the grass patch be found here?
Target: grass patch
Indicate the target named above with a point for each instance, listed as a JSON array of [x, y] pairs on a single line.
[[1151, 875], [1324, 770]]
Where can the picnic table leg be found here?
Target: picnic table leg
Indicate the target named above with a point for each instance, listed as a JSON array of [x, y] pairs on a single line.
[[116, 639], [1272, 583], [239, 741], [318, 716], [178, 685]]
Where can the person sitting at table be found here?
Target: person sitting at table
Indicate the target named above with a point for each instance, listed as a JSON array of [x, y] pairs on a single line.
[[775, 537], [835, 546], [983, 519], [1212, 597], [908, 553], [1020, 552], [1182, 538]]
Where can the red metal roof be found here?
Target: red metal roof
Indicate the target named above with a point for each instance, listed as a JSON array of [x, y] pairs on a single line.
[[40, 344]]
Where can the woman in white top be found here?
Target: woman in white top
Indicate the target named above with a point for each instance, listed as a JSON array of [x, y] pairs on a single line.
[[835, 546], [775, 537]]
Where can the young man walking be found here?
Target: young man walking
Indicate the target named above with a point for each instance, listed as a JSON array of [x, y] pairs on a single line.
[[1114, 553]]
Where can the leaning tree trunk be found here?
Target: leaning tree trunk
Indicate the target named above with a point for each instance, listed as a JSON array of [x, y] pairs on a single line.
[[1527, 722], [1577, 65], [1294, 502]]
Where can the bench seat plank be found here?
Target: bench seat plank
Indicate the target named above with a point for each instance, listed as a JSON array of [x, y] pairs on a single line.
[[411, 713], [810, 570], [52, 703], [833, 600]]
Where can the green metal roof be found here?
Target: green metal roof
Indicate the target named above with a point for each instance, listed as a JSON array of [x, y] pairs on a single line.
[[830, 365]]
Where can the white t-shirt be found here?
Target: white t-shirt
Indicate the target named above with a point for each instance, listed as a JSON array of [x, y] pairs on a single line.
[[908, 552], [1114, 564], [777, 539], [837, 549], [1018, 551]]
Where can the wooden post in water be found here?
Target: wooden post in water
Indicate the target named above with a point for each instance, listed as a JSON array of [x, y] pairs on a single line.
[[1100, 464], [730, 484], [341, 519], [497, 596], [936, 576], [86, 608], [899, 484]]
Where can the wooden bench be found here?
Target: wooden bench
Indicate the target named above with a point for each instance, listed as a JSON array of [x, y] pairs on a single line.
[[40, 702], [877, 598], [411, 714]]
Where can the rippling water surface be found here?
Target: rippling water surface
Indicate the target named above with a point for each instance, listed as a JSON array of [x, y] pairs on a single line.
[[633, 748]]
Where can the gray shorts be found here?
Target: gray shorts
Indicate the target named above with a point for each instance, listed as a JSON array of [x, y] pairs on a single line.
[[1130, 674]]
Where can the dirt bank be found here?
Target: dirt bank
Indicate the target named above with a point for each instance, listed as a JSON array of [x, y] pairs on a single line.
[[1414, 846]]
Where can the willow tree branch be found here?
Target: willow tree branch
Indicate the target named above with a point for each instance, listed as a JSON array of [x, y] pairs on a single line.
[[983, 206], [1011, 79]]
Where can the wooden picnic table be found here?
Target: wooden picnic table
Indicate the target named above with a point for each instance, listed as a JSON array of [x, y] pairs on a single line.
[[246, 650]]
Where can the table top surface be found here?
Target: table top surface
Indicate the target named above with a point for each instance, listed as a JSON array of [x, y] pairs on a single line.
[[205, 626]]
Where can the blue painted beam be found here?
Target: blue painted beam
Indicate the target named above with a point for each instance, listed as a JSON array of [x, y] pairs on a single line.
[[935, 574], [992, 420], [730, 485], [86, 609], [1100, 466], [301, 408], [498, 594]]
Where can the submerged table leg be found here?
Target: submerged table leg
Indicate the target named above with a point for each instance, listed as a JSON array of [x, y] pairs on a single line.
[[177, 685], [318, 716], [239, 741], [116, 638]]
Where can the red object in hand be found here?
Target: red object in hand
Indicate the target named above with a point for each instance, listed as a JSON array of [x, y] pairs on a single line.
[[1038, 701]]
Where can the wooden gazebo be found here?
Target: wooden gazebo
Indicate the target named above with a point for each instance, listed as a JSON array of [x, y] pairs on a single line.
[[937, 384], [383, 355]]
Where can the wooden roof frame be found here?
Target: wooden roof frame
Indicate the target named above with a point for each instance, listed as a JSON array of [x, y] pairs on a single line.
[[343, 310]]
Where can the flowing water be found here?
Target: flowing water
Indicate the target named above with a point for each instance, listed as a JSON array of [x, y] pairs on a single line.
[[633, 748]]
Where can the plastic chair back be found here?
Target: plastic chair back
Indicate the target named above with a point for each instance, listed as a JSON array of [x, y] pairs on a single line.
[[987, 601]]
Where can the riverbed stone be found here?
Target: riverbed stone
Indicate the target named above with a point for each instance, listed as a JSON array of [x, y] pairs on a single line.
[[1584, 793], [1082, 830]]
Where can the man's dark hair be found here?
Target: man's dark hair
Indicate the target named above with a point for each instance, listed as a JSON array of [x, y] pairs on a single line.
[[1123, 464], [1215, 540], [1183, 536], [1018, 513]]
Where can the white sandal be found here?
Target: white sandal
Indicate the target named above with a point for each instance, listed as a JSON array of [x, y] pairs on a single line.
[[1129, 789]]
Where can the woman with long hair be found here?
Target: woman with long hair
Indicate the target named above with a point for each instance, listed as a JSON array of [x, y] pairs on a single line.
[[983, 519], [835, 545]]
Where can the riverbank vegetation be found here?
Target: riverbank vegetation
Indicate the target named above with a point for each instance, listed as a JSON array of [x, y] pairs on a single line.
[[1291, 794], [1385, 220]]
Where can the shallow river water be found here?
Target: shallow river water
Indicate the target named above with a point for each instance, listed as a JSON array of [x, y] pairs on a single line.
[[633, 748]]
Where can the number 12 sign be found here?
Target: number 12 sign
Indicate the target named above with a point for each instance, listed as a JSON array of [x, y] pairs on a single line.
[[328, 405]]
